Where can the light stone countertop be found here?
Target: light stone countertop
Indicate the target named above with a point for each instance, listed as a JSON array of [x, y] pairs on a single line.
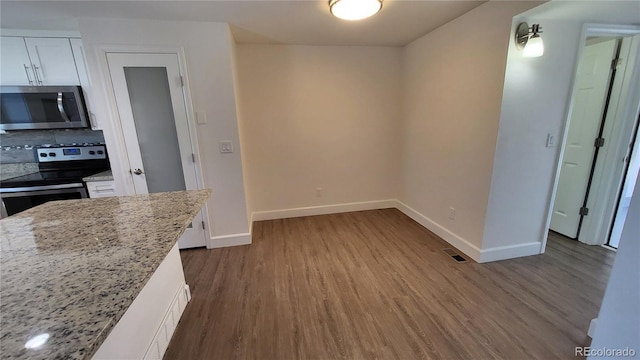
[[10, 171], [103, 176], [70, 269]]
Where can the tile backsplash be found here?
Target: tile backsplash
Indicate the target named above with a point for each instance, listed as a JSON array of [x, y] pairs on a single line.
[[17, 146]]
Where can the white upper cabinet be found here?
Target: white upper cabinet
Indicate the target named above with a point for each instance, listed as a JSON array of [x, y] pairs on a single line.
[[83, 75], [15, 65], [52, 60], [37, 62]]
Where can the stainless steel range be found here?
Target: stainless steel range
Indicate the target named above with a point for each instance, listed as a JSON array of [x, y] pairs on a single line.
[[61, 169]]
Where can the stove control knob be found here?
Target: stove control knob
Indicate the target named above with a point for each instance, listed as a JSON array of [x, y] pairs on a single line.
[[43, 154], [91, 152], [100, 152], [52, 154]]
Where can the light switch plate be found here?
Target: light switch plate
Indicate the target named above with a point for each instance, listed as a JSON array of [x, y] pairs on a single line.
[[226, 147]]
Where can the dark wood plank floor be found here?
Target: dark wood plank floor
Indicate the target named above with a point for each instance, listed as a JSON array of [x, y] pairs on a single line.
[[376, 285]]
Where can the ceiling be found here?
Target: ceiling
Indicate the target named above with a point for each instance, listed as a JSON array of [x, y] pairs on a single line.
[[305, 22]]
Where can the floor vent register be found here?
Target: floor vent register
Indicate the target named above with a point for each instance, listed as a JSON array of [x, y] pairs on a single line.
[[454, 255]]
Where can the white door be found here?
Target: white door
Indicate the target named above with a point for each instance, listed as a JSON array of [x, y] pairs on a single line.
[[151, 105], [52, 61], [592, 86], [16, 66]]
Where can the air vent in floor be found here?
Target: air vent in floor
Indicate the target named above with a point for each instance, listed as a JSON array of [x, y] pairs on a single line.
[[454, 255]]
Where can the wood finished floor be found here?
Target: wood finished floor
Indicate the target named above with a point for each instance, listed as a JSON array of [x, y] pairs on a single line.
[[376, 285]]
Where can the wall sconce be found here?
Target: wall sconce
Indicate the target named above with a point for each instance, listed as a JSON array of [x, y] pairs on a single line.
[[354, 9], [528, 39]]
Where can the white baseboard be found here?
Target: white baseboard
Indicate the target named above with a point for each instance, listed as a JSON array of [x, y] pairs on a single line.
[[229, 240], [472, 251], [461, 244], [509, 252], [592, 327], [323, 210]]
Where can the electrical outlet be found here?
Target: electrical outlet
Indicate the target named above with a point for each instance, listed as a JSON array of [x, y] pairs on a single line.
[[452, 213], [319, 192], [226, 147], [201, 118]]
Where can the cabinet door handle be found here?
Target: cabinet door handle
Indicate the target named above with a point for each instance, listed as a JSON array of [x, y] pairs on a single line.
[[35, 72], [26, 71]]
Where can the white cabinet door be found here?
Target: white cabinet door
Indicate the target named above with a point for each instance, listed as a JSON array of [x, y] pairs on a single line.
[[52, 61], [83, 76], [15, 64]]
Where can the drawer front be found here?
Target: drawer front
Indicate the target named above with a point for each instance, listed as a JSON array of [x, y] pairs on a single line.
[[98, 189]]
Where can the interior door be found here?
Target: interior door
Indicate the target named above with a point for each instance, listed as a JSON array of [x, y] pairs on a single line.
[[592, 87], [149, 95]]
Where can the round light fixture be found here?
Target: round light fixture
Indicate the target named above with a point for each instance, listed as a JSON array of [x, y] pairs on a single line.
[[354, 9]]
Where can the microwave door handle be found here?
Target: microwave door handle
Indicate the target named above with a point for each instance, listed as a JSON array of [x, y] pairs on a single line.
[[63, 114]]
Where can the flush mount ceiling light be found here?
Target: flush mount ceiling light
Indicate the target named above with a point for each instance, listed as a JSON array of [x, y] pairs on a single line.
[[354, 9], [528, 40]]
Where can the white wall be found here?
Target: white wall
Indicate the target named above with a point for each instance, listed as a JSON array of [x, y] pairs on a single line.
[[319, 116], [452, 81], [618, 324], [208, 51], [535, 102]]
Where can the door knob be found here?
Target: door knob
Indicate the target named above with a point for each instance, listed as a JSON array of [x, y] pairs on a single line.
[[137, 171]]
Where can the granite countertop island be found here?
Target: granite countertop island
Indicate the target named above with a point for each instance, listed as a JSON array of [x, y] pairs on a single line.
[[103, 176], [70, 269]]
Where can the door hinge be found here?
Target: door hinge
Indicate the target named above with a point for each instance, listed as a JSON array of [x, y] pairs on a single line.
[[615, 63], [599, 142], [181, 81], [584, 211], [193, 157], [203, 227]]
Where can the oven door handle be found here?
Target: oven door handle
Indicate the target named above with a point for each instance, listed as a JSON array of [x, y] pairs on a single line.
[[63, 113], [27, 189]]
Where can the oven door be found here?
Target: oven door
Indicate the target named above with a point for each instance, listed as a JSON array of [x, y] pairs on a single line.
[[15, 200]]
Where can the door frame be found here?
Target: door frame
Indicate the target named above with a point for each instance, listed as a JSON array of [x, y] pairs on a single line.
[[628, 108], [119, 159]]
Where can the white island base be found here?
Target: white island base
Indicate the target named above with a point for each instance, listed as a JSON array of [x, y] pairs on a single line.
[[145, 329]]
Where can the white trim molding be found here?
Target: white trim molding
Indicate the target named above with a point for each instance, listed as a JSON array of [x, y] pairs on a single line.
[[229, 240], [461, 244], [592, 327], [509, 252], [323, 210]]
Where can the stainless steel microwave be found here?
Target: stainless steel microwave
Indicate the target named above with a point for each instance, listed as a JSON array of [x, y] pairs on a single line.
[[42, 107]]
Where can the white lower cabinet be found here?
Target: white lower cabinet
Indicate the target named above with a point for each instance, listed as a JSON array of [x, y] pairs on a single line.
[[146, 328], [98, 189]]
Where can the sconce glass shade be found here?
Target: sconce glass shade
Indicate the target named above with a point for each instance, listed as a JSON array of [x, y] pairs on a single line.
[[354, 9], [534, 47]]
